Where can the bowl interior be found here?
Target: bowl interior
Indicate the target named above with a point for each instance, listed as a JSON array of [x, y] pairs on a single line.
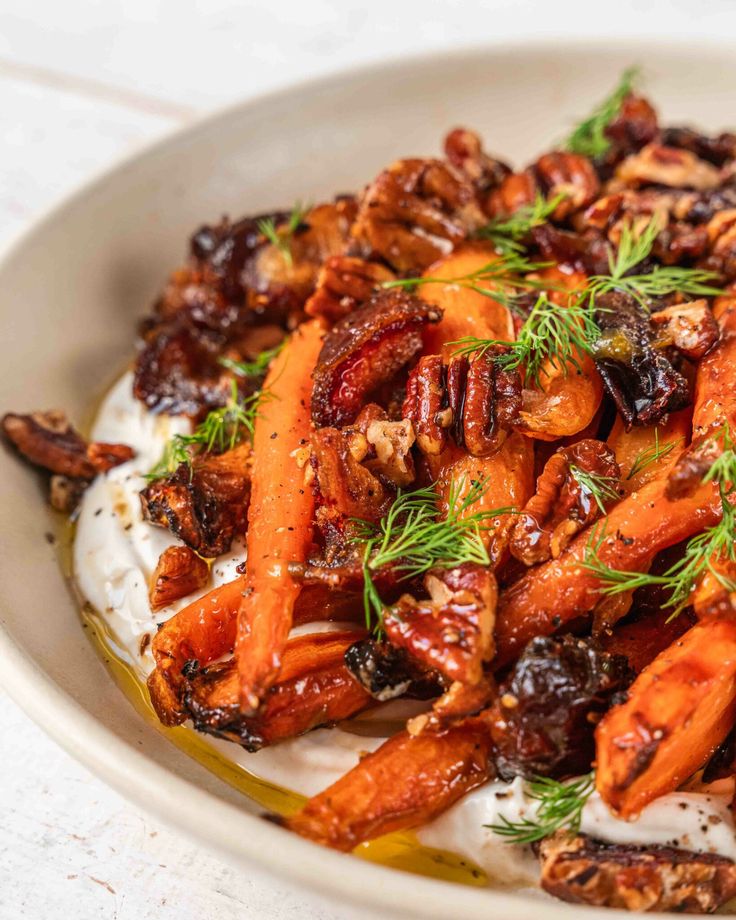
[[75, 286]]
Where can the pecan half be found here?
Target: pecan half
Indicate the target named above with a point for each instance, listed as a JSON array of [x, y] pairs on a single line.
[[414, 212], [179, 571], [562, 505], [364, 351], [464, 150], [584, 871], [344, 283], [453, 631], [48, 440], [476, 401], [656, 164]]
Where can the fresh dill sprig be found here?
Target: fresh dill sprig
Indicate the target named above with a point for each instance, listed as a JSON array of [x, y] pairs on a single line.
[[651, 454], [589, 137], [601, 488], [560, 806], [551, 334], [281, 237], [221, 430], [635, 245], [258, 366], [701, 554], [413, 538], [505, 272], [506, 233]]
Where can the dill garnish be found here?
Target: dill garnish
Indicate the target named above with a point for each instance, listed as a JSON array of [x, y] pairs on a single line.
[[560, 805], [506, 233], [651, 454], [633, 248], [255, 368], [412, 538], [506, 272], [589, 137], [551, 334], [221, 430], [601, 488], [281, 237], [714, 544]]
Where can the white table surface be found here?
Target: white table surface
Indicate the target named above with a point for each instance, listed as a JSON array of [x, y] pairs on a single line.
[[82, 83]]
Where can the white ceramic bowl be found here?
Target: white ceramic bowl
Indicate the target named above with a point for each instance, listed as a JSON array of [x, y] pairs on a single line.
[[73, 288]]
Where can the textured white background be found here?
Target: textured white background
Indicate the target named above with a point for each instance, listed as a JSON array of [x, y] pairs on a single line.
[[82, 83]]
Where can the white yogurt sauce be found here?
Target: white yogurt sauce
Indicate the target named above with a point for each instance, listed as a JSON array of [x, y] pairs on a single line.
[[115, 553]]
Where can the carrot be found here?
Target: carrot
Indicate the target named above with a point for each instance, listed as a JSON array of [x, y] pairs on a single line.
[[314, 688], [279, 516], [571, 392], [560, 590], [644, 453], [202, 631], [715, 381], [466, 312], [409, 780], [678, 712]]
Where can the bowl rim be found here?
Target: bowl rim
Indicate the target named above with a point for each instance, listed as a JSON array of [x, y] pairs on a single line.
[[178, 803]]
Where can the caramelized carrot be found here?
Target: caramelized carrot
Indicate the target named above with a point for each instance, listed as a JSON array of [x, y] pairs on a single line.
[[466, 312], [715, 381], [407, 781], [314, 688], [202, 632], [678, 711], [646, 452], [560, 590], [571, 392], [279, 516]]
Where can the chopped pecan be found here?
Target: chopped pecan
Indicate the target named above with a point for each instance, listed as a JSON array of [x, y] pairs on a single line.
[[689, 327], [585, 871], [179, 571], [48, 440], [542, 721], [205, 505], [453, 631], [365, 350], [641, 379], [458, 702], [562, 505], [656, 164], [65, 494], [477, 401], [344, 283], [464, 150], [387, 672], [721, 257], [415, 212], [392, 442]]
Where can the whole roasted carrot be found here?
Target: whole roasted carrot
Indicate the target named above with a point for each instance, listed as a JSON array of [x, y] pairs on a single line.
[[279, 516], [202, 631], [677, 712], [560, 590]]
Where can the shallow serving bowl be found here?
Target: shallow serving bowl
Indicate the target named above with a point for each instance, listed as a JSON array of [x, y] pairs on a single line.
[[74, 287]]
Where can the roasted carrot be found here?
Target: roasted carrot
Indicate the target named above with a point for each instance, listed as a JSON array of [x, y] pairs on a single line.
[[640, 526], [570, 392], [715, 381], [643, 453], [678, 711], [406, 782], [466, 312], [202, 632], [279, 516], [314, 688]]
